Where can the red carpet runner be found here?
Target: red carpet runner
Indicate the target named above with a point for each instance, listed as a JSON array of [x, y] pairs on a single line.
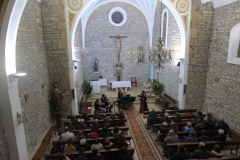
[[142, 142]]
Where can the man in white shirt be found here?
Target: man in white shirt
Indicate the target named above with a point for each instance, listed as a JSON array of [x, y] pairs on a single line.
[[65, 136]]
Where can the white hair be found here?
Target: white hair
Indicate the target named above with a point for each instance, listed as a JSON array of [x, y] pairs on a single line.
[[166, 114], [221, 131]]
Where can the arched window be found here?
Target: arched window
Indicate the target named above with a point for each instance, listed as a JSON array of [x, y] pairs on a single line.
[[164, 27]]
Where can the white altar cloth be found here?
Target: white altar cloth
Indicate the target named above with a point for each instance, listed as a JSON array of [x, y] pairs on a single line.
[[103, 82], [96, 86], [120, 84]]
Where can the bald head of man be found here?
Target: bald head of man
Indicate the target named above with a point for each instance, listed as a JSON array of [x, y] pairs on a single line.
[[171, 132], [201, 145]]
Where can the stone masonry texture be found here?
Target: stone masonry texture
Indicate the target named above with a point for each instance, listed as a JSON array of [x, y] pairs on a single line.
[[4, 152], [54, 30], [168, 75], [222, 98], [31, 58], [200, 37]]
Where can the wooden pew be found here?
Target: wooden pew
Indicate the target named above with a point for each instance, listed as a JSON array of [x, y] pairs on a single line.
[[225, 145], [168, 97], [86, 131], [198, 133], [91, 115], [222, 158], [162, 101], [192, 111], [49, 135], [90, 140], [89, 122], [104, 152]]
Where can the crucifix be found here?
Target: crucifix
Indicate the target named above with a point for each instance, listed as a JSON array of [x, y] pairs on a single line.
[[119, 48]]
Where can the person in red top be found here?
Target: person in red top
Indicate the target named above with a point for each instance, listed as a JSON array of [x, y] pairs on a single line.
[[93, 133]]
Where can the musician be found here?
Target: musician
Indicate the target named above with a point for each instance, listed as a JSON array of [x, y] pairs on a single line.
[[105, 103], [120, 94], [143, 102], [98, 106]]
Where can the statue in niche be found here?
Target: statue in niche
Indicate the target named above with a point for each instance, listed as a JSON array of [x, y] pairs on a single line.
[[140, 54], [96, 65], [55, 97]]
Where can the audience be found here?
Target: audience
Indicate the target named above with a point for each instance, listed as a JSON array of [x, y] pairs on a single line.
[[121, 116], [85, 117], [97, 145], [171, 137], [199, 126], [220, 137], [210, 125], [124, 154], [116, 132], [162, 113], [104, 132], [217, 152], [153, 114], [113, 116], [96, 155], [106, 123], [174, 127], [165, 118], [81, 154], [96, 124], [80, 135], [82, 125], [188, 128], [209, 116], [69, 148], [191, 138], [93, 133], [121, 141], [203, 137], [66, 135], [199, 116], [62, 156], [97, 115], [109, 144], [202, 152], [84, 145], [182, 154], [97, 105], [162, 129], [222, 124], [177, 119]]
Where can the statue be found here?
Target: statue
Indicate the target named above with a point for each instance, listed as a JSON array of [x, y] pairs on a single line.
[[96, 65], [140, 54], [55, 97]]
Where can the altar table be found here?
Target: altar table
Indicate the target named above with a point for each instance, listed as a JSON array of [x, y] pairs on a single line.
[[121, 84], [96, 86]]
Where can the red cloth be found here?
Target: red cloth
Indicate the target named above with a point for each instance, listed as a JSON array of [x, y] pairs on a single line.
[[93, 135]]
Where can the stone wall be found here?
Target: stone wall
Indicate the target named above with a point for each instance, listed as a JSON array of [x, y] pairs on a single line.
[[54, 29], [31, 58], [168, 75], [4, 153], [79, 75], [99, 44], [222, 98], [201, 24]]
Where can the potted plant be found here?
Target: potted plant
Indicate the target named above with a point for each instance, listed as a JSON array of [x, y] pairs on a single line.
[[87, 90], [100, 76], [158, 87]]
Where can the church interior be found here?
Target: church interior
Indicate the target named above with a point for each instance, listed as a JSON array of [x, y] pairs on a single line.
[[154, 60]]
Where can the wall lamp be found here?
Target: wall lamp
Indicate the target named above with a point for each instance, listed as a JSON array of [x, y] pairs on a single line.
[[18, 75], [21, 117]]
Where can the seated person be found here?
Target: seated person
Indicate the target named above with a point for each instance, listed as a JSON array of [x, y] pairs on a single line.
[[97, 145], [116, 132], [174, 127], [97, 115], [82, 125], [220, 137], [217, 152], [96, 124], [199, 116], [188, 128], [199, 126], [62, 156], [203, 137], [109, 144], [69, 125], [177, 119], [98, 106], [153, 114], [105, 103], [191, 138], [80, 135], [121, 116], [210, 125], [121, 141], [162, 129], [104, 132], [83, 144], [69, 148], [81, 154], [113, 117], [170, 138], [222, 124], [162, 113], [202, 152], [93, 133], [96, 155], [106, 123], [182, 154], [124, 154], [165, 118], [66, 135], [85, 117]]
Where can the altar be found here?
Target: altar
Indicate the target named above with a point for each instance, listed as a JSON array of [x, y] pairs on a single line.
[[96, 86], [121, 84]]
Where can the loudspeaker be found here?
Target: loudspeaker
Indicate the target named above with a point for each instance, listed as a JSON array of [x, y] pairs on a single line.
[[185, 89], [73, 95]]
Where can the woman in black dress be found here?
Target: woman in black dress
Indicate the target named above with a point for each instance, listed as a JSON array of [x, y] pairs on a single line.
[[143, 102]]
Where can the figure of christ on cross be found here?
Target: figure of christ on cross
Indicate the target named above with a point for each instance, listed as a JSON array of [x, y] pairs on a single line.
[[119, 44]]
